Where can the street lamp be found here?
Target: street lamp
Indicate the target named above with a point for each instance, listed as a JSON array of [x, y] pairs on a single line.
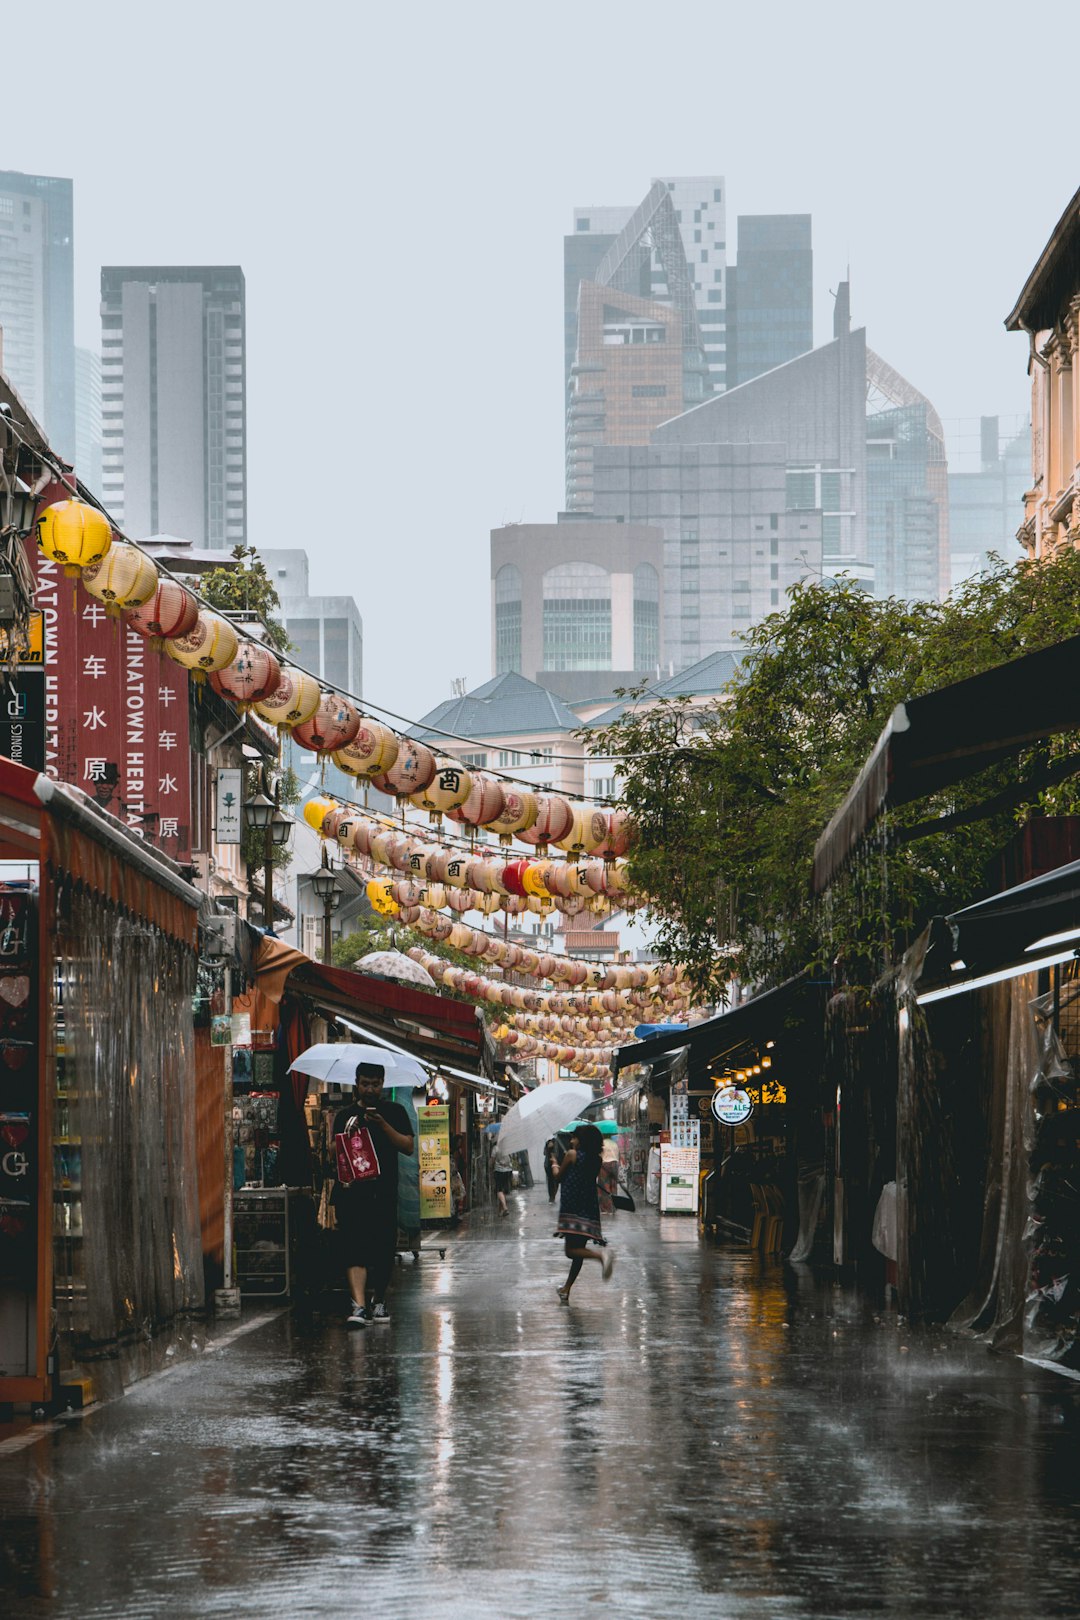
[[327, 886], [264, 814]]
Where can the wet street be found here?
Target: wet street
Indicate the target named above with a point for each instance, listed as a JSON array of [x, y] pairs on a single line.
[[705, 1434]]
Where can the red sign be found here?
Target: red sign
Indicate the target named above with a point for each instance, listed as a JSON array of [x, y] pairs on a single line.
[[116, 714]]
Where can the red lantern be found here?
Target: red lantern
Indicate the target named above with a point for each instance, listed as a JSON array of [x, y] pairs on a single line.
[[169, 614], [253, 674], [333, 725]]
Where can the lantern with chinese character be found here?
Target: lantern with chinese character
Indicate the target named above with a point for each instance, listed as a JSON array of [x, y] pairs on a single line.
[[212, 644], [316, 811], [293, 700], [170, 612], [587, 832], [554, 819], [448, 789], [486, 802], [253, 674], [74, 534], [124, 578], [333, 725], [519, 811], [373, 749], [412, 770], [381, 896]]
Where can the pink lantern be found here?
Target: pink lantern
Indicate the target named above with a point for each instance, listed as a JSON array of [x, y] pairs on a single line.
[[333, 725], [554, 819], [253, 674], [411, 771], [620, 834], [171, 612], [519, 811], [485, 803]]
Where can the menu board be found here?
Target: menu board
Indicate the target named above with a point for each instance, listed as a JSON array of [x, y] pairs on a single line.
[[680, 1159], [433, 1146]]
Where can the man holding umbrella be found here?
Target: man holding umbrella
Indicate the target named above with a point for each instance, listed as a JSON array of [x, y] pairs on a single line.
[[367, 1210]]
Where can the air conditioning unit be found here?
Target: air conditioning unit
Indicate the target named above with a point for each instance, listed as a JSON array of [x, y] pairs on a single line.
[[219, 936]]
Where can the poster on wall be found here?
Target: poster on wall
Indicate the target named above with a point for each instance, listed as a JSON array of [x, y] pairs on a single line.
[[433, 1147]]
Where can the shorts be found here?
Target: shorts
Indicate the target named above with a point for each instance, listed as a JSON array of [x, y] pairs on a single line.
[[504, 1180], [367, 1234]]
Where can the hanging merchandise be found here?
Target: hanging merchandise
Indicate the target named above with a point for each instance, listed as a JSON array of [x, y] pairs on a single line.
[[333, 725], [74, 534], [293, 700], [211, 644], [374, 748], [253, 674], [124, 578], [169, 613], [448, 789]]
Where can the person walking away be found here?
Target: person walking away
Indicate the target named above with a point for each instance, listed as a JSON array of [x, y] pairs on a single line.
[[551, 1152], [504, 1177], [367, 1210], [579, 1205]]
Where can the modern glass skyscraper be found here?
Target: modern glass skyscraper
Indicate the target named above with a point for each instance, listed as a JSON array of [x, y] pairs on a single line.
[[37, 298], [88, 418], [770, 317], [173, 401]]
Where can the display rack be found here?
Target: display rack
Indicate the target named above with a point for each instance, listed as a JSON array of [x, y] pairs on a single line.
[[262, 1241]]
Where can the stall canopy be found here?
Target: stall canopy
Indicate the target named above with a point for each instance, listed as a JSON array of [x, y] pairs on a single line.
[[434, 1028], [753, 1022], [934, 741], [1021, 927]]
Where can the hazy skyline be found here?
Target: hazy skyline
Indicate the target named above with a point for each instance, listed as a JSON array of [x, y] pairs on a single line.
[[397, 185]]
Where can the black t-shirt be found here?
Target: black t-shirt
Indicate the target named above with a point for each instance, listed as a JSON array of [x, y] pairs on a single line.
[[382, 1188]]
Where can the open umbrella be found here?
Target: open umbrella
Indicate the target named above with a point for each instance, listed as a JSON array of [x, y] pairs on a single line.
[[606, 1127], [332, 1064], [527, 1125]]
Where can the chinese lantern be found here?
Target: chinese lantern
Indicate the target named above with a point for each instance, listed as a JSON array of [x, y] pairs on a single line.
[[74, 534], [485, 803], [512, 877], [456, 873], [412, 770], [519, 811], [588, 829], [620, 834], [170, 612], [124, 578], [316, 811], [373, 749], [333, 725], [253, 674], [381, 896], [212, 644], [554, 818], [295, 699], [448, 789]]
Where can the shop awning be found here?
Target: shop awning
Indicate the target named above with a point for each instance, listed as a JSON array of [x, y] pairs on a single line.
[[433, 1028], [753, 1022], [1036, 924], [934, 741]]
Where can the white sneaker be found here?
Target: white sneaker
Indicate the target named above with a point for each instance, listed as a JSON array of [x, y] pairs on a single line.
[[358, 1317], [380, 1313], [609, 1263]]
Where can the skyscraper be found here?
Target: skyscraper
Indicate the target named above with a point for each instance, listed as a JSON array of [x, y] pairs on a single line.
[[88, 418], [989, 472], [37, 299], [699, 205], [770, 305], [173, 401]]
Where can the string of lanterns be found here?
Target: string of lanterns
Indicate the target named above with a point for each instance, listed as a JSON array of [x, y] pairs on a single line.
[[128, 583]]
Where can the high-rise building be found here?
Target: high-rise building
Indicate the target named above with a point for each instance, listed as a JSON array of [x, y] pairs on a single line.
[[699, 205], [88, 418], [989, 473], [594, 231], [37, 298], [770, 302], [173, 401], [577, 606]]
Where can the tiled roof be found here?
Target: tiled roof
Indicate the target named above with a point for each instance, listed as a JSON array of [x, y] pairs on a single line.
[[507, 705], [707, 678]]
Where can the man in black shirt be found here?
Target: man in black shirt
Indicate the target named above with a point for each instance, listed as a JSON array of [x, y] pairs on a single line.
[[367, 1210]]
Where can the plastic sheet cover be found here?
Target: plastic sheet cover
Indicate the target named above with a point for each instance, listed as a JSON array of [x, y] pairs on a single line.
[[128, 1252]]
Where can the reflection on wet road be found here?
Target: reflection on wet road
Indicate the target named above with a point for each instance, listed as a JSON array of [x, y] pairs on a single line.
[[705, 1434]]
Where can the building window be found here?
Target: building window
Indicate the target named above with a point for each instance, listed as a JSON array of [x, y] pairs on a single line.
[[649, 390], [508, 620], [474, 762], [583, 224], [577, 617], [646, 617], [509, 758]]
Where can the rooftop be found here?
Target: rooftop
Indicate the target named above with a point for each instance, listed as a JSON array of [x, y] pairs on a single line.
[[506, 705], [707, 678]]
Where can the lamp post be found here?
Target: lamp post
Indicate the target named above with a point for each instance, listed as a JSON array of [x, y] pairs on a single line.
[[327, 886], [265, 814]]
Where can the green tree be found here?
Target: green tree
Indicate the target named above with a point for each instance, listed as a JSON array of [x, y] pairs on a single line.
[[729, 800], [248, 588]]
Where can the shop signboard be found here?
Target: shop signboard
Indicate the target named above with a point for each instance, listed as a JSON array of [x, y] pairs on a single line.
[[229, 819], [22, 717], [433, 1146], [731, 1105]]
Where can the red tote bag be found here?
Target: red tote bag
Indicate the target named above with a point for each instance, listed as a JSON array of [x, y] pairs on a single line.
[[356, 1156]]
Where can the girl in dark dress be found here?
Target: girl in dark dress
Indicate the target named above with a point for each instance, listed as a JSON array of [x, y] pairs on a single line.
[[579, 1205]]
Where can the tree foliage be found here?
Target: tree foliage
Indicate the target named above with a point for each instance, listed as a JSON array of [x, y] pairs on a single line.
[[730, 799], [248, 588]]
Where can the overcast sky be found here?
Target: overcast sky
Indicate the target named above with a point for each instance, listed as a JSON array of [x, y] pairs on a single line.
[[396, 182]]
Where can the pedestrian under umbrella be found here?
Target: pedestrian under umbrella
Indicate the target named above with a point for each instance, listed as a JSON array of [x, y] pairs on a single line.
[[579, 1205]]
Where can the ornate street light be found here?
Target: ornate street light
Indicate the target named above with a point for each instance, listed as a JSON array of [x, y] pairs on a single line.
[[265, 815], [327, 886]]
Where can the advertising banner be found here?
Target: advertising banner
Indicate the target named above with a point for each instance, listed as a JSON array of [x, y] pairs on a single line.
[[433, 1147]]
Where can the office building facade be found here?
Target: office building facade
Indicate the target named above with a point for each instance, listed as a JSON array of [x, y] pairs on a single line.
[[989, 473], [88, 418], [174, 401], [37, 298], [770, 302], [577, 606]]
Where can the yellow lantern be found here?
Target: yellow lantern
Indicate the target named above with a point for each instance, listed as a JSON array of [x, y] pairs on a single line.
[[532, 881], [588, 830], [316, 811], [124, 578], [380, 894], [74, 534], [447, 790], [520, 809], [373, 750], [213, 644], [293, 701]]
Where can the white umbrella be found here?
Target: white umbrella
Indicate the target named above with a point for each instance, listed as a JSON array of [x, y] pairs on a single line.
[[527, 1125], [333, 1065], [396, 966]]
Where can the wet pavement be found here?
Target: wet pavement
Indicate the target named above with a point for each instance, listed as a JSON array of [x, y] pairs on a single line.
[[707, 1434]]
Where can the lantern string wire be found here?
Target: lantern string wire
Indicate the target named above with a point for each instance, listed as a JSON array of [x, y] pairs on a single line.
[[79, 491]]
